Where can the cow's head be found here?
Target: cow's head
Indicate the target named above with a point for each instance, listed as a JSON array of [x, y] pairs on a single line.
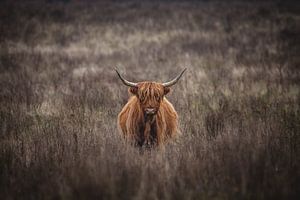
[[150, 94]]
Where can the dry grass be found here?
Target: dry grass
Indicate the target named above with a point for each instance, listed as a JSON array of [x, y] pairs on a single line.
[[238, 103]]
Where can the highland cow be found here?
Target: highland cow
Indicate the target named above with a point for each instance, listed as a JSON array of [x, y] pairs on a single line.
[[148, 119]]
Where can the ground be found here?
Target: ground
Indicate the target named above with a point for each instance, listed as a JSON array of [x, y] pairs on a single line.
[[238, 102]]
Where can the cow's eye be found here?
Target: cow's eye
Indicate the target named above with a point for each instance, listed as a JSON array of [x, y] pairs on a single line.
[[157, 98], [142, 98]]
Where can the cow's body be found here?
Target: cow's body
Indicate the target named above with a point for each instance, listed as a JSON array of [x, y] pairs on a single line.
[[142, 129], [148, 118]]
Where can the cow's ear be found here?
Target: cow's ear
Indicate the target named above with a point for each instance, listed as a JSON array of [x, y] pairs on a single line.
[[133, 90], [166, 90]]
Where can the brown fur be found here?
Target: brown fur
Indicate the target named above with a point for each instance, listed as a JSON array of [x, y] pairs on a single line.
[[143, 129]]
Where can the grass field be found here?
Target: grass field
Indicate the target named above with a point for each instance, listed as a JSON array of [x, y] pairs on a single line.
[[238, 103]]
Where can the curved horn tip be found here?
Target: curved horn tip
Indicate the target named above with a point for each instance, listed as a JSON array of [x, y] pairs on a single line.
[[184, 70], [116, 69], [175, 80], [117, 72], [126, 82]]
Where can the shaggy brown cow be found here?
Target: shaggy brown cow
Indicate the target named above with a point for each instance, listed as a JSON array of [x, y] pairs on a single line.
[[148, 118]]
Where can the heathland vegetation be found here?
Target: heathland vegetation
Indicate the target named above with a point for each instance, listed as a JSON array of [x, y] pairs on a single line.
[[238, 103]]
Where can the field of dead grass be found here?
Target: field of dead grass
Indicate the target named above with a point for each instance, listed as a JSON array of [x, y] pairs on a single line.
[[238, 103]]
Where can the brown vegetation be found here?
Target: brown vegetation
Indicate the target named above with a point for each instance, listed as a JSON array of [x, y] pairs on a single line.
[[238, 103]]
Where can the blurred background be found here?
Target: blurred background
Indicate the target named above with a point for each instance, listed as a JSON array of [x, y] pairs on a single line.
[[238, 102]]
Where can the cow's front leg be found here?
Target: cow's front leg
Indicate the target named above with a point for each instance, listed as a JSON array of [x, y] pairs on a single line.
[[147, 132]]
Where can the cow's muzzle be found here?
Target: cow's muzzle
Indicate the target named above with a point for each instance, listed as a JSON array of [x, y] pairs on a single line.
[[150, 111]]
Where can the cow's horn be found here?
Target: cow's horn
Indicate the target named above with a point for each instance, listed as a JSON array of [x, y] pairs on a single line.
[[174, 81], [128, 83]]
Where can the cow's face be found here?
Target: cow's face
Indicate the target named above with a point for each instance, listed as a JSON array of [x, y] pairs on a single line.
[[150, 95]]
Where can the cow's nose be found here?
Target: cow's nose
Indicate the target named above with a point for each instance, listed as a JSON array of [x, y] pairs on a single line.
[[150, 111]]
